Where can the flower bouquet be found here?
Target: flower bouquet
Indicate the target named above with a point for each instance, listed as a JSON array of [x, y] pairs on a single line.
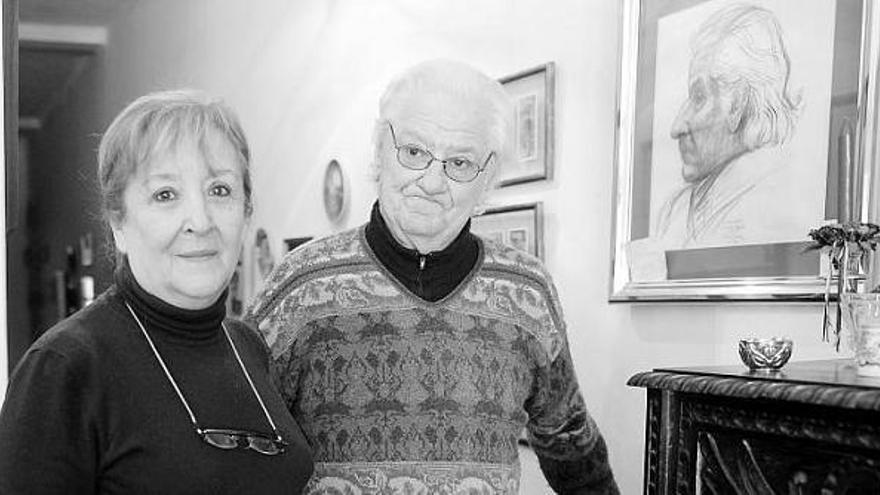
[[846, 245]]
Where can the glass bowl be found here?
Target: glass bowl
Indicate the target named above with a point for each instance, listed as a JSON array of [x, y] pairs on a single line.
[[768, 354]]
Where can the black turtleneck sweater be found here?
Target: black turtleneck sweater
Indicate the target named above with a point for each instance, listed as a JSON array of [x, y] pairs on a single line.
[[431, 276], [89, 409]]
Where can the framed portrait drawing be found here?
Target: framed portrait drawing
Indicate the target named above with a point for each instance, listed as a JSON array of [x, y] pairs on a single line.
[[335, 191], [520, 226], [532, 94], [741, 126]]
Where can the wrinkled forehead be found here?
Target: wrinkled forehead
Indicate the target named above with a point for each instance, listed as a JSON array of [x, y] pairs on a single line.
[[467, 118]]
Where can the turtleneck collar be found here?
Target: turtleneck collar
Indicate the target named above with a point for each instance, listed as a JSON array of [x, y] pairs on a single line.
[[430, 276], [159, 316]]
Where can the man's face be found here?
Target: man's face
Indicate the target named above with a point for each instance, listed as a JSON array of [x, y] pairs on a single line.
[[425, 209], [706, 128]]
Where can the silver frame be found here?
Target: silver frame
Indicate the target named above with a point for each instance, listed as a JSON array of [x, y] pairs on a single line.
[[623, 289]]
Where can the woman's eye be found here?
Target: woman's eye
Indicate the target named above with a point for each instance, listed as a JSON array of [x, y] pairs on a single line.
[[221, 190], [164, 195]]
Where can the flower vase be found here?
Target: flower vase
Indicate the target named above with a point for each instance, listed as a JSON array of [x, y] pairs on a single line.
[[861, 313], [848, 269]]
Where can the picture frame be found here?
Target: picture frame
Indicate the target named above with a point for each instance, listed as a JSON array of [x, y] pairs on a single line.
[[335, 191], [263, 259], [532, 92], [292, 243], [520, 226], [758, 262]]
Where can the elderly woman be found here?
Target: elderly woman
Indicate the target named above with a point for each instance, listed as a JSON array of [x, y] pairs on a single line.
[[150, 389], [413, 352]]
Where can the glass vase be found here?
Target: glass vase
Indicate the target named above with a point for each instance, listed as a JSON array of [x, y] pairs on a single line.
[[861, 314]]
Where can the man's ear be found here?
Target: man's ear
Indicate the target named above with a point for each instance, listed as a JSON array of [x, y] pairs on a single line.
[[739, 104]]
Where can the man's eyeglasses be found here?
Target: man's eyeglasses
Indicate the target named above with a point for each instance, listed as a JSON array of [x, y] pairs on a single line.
[[242, 439], [457, 168]]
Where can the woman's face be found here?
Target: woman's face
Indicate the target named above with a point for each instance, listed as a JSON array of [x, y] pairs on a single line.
[[184, 222]]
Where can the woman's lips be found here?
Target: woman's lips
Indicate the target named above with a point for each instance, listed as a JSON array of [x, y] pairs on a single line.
[[198, 254]]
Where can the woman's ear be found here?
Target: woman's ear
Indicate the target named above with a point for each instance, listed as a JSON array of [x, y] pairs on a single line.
[[118, 238]]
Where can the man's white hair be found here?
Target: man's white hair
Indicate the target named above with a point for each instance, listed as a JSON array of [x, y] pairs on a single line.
[[457, 79], [741, 48]]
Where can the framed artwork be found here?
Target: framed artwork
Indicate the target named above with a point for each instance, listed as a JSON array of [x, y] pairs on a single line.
[[335, 192], [741, 126], [519, 226], [532, 93], [293, 242], [264, 261], [235, 298]]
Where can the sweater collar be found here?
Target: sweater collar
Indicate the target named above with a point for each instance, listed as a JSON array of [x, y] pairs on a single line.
[[378, 230], [157, 315], [431, 276]]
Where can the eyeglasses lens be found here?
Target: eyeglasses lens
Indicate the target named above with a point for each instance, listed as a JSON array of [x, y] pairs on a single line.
[[221, 440], [265, 446], [232, 440], [413, 157]]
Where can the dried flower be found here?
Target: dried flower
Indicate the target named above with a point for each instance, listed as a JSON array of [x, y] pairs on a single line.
[[851, 240], [864, 234]]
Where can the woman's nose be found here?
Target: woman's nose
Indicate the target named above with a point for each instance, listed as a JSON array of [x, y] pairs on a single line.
[[197, 217]]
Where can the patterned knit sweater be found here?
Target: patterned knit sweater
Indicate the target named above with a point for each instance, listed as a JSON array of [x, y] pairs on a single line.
[[396, 394]]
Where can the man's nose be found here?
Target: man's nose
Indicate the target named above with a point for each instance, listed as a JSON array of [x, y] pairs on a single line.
[[433, 180], [197, 217]]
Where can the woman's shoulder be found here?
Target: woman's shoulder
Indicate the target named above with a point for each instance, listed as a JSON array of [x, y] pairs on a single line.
[[84, 332]]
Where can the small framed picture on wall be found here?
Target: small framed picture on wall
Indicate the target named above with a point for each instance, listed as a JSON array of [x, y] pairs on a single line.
[[335, 191], [519, 226], [532, 94]]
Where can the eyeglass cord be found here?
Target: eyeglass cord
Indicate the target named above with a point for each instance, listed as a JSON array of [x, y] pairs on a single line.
[[189, 410]]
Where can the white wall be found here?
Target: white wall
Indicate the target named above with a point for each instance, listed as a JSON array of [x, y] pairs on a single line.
[[305, 77]]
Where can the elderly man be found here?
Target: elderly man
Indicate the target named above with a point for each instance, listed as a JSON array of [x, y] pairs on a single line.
[[738, 103], [412, 352]]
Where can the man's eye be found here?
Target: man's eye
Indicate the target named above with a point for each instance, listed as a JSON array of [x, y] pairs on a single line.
[[414, 151], [460, 163], [221, 190], [164, 195]]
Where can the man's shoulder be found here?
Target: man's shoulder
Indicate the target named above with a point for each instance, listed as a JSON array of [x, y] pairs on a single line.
[[307, 265], [325, 251], [506, 261], [516, 286]]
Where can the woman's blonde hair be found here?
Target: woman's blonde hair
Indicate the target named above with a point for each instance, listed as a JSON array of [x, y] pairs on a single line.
[[158, 122]]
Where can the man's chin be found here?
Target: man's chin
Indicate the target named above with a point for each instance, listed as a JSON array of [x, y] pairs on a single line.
[[690, 173]]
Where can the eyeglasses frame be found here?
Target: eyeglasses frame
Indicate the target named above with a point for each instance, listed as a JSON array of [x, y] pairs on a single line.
[[435, 159], [238, 435], [279, 442]]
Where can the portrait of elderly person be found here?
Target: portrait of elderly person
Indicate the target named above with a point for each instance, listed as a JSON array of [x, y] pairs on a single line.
[[739, 112], [412, 352], [150, 389]]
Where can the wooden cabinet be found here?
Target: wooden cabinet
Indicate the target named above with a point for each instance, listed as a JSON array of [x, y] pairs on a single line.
[[812, 428]]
